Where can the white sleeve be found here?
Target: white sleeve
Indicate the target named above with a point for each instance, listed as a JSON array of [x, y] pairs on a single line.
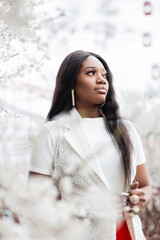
[[42, 154], [137, 144]]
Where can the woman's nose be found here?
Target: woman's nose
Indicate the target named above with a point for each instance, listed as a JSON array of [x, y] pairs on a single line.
[[101, 79]]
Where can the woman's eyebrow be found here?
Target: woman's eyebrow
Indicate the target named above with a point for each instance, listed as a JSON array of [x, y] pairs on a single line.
[[93, 68], [88, 67]]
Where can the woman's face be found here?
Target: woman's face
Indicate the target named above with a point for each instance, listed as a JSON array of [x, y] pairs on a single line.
[[91, 86]]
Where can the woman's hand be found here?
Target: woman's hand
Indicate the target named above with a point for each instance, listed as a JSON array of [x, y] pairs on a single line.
[[136, 200]]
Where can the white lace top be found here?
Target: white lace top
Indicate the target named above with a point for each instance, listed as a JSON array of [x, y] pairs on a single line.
[[69, 139]]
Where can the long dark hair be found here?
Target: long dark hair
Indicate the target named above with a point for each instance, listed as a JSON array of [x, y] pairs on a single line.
[[65, 81]]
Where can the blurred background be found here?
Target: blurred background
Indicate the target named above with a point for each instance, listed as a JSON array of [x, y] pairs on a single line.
[[35, 36]]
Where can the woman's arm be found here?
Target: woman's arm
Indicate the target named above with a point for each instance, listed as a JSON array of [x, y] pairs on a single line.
[[42, 154], [143, 189], [38, 178], [39, 175], [41, 178]]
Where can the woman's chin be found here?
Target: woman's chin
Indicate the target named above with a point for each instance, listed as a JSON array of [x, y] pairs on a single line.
[[101, 104], [102, 101]]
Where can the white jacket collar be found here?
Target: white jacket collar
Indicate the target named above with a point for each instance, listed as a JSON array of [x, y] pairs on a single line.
[[77, 138]]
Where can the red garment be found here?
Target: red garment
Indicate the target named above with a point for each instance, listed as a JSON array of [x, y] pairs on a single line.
[[122, 232]]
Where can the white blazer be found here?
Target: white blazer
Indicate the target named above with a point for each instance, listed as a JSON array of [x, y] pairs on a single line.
[[62, 149]]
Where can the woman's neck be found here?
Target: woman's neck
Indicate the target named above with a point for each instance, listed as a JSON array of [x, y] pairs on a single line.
[[90, 112]]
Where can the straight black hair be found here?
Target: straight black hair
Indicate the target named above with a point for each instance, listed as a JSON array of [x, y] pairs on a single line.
[[65, 81]]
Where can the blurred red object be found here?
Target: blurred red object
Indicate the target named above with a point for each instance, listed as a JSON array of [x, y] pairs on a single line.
[[155, 71], [147, 8], [122, 232], [146, 39]]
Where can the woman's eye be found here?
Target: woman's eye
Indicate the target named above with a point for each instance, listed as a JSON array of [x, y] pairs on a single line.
[[90, 73], [105, 75]]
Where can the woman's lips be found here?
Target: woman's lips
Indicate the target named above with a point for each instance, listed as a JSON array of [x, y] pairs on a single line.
[[101, 90]]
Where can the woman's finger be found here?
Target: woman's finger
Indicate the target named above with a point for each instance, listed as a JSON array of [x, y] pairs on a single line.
[[137, 191], [134, 185]]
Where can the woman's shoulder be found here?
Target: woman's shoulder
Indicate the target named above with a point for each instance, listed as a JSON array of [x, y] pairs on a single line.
[[136, 141], [57, 122], [130, 126], [132, 130], [126, 122]]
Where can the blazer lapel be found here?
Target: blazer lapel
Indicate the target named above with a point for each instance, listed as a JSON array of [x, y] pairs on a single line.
[[77, 139]]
